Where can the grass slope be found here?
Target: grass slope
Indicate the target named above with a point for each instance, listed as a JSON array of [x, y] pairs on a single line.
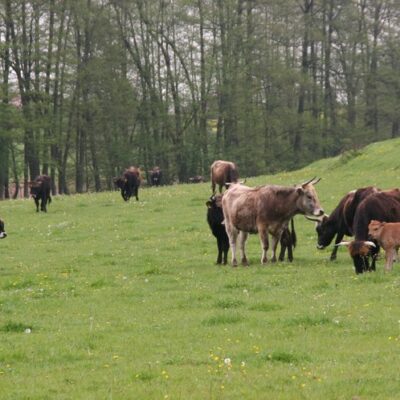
[[105, 299]]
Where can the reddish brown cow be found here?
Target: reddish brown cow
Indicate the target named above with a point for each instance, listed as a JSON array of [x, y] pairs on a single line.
[[223, 173], [387, 234], [266, 210], [129, 183]]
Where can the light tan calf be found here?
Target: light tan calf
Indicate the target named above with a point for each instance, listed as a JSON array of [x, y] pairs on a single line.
[[387, 234]]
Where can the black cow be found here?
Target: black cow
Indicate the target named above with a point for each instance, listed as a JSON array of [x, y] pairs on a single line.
[[288, 242], [196, 179], [129, 183], [155, 176], [3, 233], [40, 191], [215, 218], [381, 206], [340, 221]]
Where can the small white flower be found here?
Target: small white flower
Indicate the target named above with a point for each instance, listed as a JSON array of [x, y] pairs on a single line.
[[227, 361], [28, 330]]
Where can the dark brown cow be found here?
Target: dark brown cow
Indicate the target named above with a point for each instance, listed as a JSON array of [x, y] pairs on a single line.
[[129, 183], [223, 173], [340, 221], [3, 233], [266, 210], [381, 206], [40, 191], [155, 176], [196, 179]]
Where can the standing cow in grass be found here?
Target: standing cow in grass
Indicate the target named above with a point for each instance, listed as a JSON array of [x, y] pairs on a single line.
[[222, 174], [155, 176], [387, 234], [40, 191], [266, 210], [3, 233], [381, 206], [215, 218], [340, 221], [129, 183]]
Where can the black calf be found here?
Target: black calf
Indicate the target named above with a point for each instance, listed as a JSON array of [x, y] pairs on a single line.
[[215, 217]]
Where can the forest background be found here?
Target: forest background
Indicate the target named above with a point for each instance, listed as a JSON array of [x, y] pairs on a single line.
[[90, 87]]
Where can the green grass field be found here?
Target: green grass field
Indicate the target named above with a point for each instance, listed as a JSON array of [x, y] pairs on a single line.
[[101, 299]]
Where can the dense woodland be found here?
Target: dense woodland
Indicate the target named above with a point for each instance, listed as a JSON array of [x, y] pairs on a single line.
[[89, 87]]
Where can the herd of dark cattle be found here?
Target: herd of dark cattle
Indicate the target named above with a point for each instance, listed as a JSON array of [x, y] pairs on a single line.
[[369, 214]]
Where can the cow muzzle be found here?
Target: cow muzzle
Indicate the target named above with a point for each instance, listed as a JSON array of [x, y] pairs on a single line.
[[318, 212], [320, 246], [3, 235]]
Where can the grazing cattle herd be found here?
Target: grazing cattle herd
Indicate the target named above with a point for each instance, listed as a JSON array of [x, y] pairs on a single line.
[[369, 214]]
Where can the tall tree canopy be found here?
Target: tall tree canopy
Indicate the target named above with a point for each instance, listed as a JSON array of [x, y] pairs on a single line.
[[90, 87]]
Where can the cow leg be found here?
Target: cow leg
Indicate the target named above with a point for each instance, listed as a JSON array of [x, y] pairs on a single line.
[[233, 234], [43, 204], [290, 252], [339, 238], [274, 244], [242, 244], [264, 243], [389, 255], [137, 194], [220, 188], [213, 187], [219, 244], [282, 252], [37, 204]]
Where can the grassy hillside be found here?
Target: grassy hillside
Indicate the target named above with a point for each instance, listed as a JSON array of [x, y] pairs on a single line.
[[105, 299]]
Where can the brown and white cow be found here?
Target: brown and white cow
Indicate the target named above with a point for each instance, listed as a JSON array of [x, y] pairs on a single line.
[[223, 173], [266, 210], [387, 234], [3, 233]]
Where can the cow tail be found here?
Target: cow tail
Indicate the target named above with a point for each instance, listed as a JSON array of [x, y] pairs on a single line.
[[293, 236]]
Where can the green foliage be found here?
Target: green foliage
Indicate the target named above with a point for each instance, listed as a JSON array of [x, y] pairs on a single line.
[[100, 298]]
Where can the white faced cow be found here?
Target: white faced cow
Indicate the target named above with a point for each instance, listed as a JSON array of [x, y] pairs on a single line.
[[266, 210]]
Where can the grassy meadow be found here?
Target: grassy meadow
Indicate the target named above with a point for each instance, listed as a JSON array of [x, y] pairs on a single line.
[[102, 299]]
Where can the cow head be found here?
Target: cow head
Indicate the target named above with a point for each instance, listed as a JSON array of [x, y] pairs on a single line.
[[215, 201], [35, 188], [326, 230], [375, 228], [119, 182], [308, 202], [3, 233], [359, 251]]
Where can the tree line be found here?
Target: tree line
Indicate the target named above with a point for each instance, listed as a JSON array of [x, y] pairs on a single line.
[[90, 87]]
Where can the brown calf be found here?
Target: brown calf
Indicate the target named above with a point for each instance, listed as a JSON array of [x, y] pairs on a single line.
[[387, 234]]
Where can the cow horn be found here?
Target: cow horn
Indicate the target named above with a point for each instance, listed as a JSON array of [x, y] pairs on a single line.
[[317, 219], [316, 181], [343, 244], [308, 182], [369, 243]]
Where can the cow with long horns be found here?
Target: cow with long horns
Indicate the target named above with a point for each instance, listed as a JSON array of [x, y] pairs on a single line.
[[266, 210], [381, 206], [340, 221]]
